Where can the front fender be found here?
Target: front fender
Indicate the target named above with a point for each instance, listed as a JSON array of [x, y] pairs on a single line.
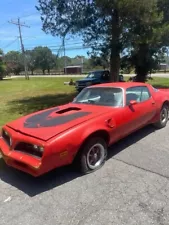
[[93, 130], [73, 139]]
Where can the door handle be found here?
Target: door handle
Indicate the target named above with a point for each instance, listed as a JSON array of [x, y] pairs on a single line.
[[153, 103]]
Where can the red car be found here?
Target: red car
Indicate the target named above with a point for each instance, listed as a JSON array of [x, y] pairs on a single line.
[[81, 131]]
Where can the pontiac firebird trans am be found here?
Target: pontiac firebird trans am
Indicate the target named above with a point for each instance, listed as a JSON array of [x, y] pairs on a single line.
[[81, 131]]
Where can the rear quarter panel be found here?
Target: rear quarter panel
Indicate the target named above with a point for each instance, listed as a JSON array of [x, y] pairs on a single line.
[[160, 96]]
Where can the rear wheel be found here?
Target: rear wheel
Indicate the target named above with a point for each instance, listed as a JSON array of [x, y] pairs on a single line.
[[163, 117], [93, 155]]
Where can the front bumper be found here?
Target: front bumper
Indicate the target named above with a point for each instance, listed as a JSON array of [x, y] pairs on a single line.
[[20, 161]]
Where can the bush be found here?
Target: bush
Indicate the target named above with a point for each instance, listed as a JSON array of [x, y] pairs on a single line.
[[2, 70]]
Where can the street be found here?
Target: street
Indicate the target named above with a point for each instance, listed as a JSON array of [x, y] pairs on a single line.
[[131, 188], [164, 75]]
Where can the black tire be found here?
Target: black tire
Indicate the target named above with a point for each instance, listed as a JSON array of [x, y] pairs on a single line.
[[163, 117], [93, 144]]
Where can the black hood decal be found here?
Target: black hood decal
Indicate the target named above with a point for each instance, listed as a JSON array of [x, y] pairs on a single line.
[[43, 119]]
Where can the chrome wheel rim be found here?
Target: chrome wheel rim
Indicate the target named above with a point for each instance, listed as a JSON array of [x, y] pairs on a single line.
[[164, 115], [95, 156]]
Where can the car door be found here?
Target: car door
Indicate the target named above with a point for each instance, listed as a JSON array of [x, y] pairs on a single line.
[[139, 114], [105, 77]]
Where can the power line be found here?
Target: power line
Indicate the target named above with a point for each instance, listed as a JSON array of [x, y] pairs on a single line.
[[53, 46], [32, 14], [70, 48], [58, 46], [19, 25], [10, 43]]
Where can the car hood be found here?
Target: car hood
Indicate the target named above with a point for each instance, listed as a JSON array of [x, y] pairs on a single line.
[[51, 122], [87, 80]]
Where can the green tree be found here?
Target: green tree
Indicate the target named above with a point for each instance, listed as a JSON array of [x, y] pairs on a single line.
[[14, 62], [31, 62], [150, 36], [111, 26], [106, 25], [126, 65], [101, 60], [61, 62], [2, 65], [43, 59]]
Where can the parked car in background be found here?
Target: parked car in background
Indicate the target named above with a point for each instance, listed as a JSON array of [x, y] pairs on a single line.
[[81, 132], [95, 77]]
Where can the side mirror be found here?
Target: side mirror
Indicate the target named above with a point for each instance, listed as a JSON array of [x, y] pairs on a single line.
[[133, 102]]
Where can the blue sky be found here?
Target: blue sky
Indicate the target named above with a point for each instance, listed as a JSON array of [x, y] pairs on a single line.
[[33, 36]]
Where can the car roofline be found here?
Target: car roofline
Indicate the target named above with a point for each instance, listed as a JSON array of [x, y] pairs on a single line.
[[124, 85]]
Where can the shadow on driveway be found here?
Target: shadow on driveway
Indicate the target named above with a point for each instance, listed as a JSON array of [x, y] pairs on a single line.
[[34, 186]]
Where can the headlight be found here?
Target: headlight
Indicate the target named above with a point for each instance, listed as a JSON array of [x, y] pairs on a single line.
[[6, 133], [88, 83], [38, 148], [7, 138]]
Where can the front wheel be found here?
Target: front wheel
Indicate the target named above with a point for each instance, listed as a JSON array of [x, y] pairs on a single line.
[[163, 117], [93, 155]]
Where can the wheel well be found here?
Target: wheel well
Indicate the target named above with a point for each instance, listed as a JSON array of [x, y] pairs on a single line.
[[166, 103], [100, 133]]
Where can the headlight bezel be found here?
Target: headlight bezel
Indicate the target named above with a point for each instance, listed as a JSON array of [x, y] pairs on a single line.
[[6, 137], [34, 150], [88, 83]]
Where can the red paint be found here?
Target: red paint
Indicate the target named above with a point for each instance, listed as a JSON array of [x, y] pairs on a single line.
[[61, 143]]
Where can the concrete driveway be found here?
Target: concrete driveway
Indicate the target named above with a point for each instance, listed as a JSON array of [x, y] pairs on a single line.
[[132, 188]]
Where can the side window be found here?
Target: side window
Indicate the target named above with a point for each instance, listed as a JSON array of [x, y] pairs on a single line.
[[145, 94], [133, 93], [139, 94]]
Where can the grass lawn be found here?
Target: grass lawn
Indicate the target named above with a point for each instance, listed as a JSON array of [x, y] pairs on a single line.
[[160, 82], [20, 97]]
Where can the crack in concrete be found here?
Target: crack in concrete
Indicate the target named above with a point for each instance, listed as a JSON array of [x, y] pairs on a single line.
[[141, 168]]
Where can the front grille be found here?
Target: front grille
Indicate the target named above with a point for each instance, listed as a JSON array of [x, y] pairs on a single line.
[[81, 84], [28, 149], [6, 137]]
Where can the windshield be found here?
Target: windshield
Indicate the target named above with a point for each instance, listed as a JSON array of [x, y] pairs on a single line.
[[95, 74], [104, 96]]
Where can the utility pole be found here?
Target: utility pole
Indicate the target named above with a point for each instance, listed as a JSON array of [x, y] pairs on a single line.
[[18, 23], [65, 64], [82, 62]]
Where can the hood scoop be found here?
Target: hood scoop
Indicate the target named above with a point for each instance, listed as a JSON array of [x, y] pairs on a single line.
[[68, 110], [51, 118]]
